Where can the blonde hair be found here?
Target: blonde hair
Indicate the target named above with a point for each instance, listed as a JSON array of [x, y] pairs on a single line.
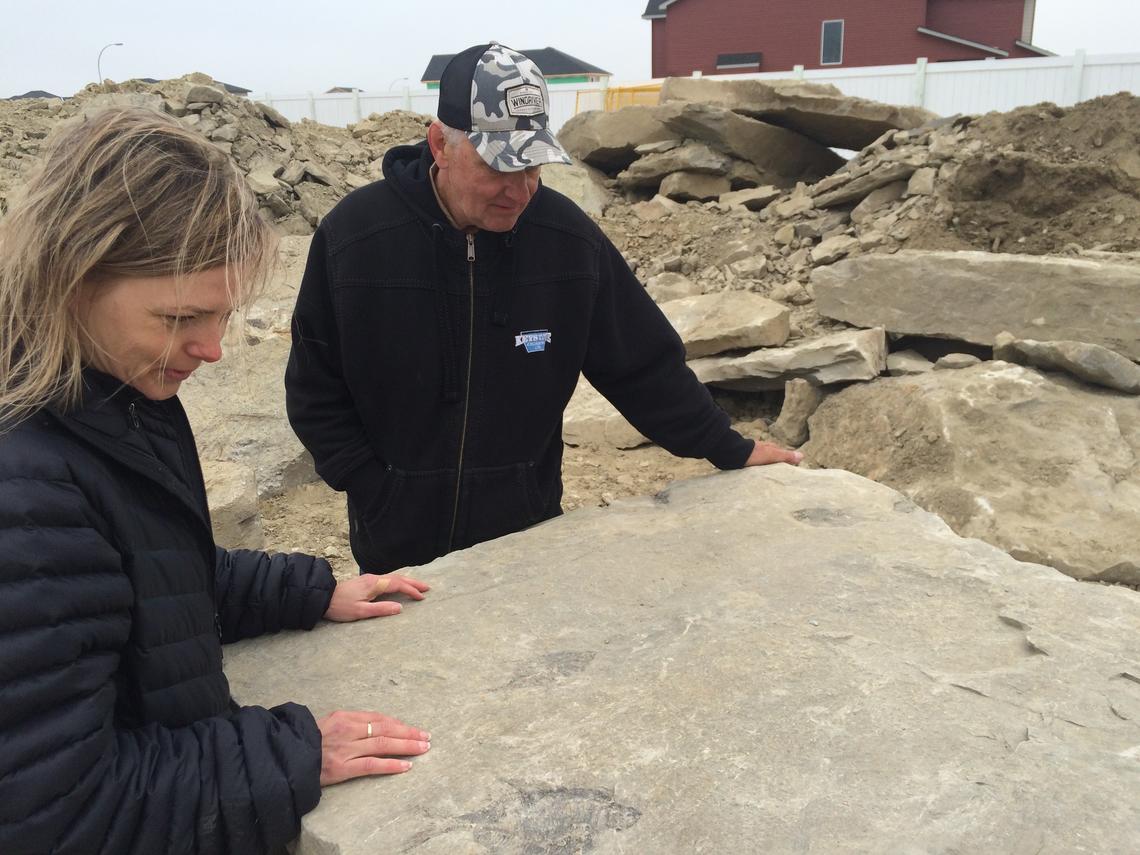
[[122, 192]]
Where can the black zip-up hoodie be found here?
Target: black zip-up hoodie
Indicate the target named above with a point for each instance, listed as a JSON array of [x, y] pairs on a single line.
[[430, 368]]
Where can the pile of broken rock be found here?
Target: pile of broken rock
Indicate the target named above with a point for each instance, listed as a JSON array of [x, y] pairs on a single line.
[[298, 170], [841, 286]]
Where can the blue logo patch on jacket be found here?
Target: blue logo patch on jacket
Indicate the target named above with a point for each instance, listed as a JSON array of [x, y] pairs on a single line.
[[534, 341]]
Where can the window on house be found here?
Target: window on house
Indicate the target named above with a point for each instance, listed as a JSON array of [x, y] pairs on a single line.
[[738, 61], [831, 47]]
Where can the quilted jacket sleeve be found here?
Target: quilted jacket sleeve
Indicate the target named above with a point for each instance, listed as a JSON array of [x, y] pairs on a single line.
[[259, 593], [70, 780]]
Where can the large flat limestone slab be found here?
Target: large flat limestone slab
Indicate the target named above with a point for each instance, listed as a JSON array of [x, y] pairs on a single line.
[[842, 357], [775, 150], [818, 111], [771, 660], [973, 296]]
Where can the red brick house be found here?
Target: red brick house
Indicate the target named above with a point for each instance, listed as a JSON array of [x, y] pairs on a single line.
[[734, 36]]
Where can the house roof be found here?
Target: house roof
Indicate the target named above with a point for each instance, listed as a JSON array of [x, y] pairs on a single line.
[[34, 93], [656, 9], [550, 61], [996, 51]]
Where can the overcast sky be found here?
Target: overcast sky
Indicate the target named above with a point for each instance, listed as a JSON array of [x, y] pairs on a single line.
[[295, 46]]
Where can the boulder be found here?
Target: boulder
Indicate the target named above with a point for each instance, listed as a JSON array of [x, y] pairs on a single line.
[[801, 399], [822, 224], [752, 198], [922, 182], [876, 200], [792, 206], [1089, 362], [262, 182], [654, 209], [833, 249], [237, 410], [293, 173], [321, 174], [906, 363], [592, 420], [316, 200], [771, 660], [753, 267], [691, 157], [203, 94], [656, 147], [736, 250], [777, 152], [1038, 465], [818, 111], [272, 116], [856, 187], [729, 320], [837, 358], [954, 361], [582, 184], [671, 286], [226, 133], [231, 489], [607, 140], [693, 186], [973, 296]]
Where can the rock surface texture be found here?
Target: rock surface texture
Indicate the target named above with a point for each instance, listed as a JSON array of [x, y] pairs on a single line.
[[1039, 465], [973, 296], [789, 661]]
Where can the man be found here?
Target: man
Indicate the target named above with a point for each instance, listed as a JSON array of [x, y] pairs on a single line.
[[443, 320]]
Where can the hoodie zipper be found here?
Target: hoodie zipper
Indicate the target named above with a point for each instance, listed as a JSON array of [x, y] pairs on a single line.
[[467, 384]]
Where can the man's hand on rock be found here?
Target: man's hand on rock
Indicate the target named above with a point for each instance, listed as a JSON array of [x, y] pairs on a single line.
[[764, 453], [353, 599]]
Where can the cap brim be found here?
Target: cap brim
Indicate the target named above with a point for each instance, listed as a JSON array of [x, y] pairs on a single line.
[[511, 151]]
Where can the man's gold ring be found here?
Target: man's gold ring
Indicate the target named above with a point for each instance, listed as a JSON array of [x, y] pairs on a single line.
[[369, 730]]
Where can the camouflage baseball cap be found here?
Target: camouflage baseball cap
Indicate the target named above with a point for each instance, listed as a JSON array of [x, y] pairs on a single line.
[[499, 97]]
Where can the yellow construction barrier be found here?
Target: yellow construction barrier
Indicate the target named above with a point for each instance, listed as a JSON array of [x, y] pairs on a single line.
[[616, 97]]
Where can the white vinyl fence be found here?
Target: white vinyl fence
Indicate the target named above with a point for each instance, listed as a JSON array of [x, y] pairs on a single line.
[[943, 87], [346, 108]]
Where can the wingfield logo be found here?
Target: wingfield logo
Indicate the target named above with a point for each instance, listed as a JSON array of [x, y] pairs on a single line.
[[534, 341]]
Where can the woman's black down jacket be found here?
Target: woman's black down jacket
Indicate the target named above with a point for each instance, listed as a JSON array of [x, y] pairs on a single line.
[[117, 731]]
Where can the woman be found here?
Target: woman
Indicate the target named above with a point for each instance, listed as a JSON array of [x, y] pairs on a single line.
[[119, 269]]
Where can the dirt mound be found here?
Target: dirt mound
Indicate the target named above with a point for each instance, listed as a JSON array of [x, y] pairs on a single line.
[[298, 170], [1049, 180]]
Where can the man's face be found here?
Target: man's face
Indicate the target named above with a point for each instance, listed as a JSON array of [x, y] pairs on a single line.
[[477, 195]]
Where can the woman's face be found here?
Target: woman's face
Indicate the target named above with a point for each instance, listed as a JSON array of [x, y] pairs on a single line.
[[153, 332]]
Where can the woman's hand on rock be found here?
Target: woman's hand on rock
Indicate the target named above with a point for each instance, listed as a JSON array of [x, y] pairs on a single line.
[[356, 743], [354, 599]]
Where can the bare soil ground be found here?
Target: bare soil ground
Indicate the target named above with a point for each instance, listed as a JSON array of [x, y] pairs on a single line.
[[312, 518]]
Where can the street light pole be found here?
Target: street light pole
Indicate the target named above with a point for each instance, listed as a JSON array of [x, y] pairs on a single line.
[[99, 60]]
